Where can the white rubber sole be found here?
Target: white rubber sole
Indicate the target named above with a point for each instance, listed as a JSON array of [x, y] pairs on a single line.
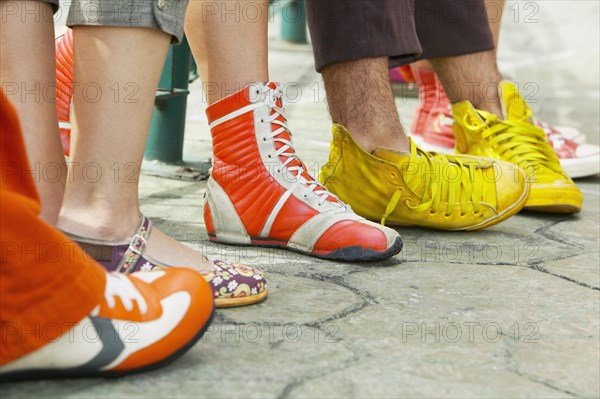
[[581, 167]]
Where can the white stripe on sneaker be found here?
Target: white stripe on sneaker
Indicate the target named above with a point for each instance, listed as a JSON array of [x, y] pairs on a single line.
[[235, 114], [276, 209]]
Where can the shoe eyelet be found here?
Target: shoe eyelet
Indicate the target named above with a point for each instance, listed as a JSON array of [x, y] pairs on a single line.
[[432, 212], [446, 215], [278, 170], [462, 214], [262, 120], [269, 156], [264, 139], [393, 175]]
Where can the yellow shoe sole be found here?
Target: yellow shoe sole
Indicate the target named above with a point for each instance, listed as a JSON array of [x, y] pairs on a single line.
[[554, 199], [243, 301]]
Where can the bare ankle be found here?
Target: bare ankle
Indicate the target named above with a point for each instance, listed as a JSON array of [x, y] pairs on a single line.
[[360, 98], [98, 223], [369, 138]]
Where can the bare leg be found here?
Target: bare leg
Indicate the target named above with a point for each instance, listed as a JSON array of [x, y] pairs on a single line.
[[28, 79], [230, 53], [495, 9], [110, 133], [360, 97], [474, 77]]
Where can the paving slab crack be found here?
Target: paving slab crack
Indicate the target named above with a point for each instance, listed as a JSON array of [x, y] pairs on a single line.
[[318, 373], [547, 384], [545, 232], [541, 269]]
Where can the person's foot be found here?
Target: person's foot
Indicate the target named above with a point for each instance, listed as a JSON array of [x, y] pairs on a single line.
[[577, 158], [234, 285], [432, 121], [517, 140], [95, 223], [147, 248], [260, 193], [429, 92], [423, 189], [432, 129], [168, 312], [570, 133], [161, 247]]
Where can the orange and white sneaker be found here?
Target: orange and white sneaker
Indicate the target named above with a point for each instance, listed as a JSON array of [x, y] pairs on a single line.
[[63, 48], [143, 322], [260, 193]]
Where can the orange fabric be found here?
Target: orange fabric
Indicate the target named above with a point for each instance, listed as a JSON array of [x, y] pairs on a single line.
[[47, 283]]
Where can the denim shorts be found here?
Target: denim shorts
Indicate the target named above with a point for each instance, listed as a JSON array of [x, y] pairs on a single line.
[[166, 15]]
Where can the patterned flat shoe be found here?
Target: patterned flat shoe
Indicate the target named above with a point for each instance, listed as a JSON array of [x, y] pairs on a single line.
[[235, 285], [232, 284]]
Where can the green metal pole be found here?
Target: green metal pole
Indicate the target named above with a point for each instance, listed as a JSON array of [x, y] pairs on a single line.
[[165, 140], [293, 21]]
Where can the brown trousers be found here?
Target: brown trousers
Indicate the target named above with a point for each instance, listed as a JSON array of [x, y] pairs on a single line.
[[403, 30]]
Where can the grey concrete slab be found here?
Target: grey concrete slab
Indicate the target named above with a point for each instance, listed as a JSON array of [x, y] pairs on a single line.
[[511, 311]]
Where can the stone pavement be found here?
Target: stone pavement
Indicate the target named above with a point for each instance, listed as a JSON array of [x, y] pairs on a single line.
[[511, 311]]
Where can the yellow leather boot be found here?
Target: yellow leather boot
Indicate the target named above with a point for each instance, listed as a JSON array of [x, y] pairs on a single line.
[[446, 192]]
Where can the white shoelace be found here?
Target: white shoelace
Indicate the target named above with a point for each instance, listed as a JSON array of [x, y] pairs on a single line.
[[118, 285], [287, 149]]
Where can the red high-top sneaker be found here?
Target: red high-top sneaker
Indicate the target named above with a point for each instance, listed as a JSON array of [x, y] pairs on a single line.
[[63, 47], [433, 117], [260, 192], [425, 81]]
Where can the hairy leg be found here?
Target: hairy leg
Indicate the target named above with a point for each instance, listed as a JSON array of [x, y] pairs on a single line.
[[474, 77], [360, 97]]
